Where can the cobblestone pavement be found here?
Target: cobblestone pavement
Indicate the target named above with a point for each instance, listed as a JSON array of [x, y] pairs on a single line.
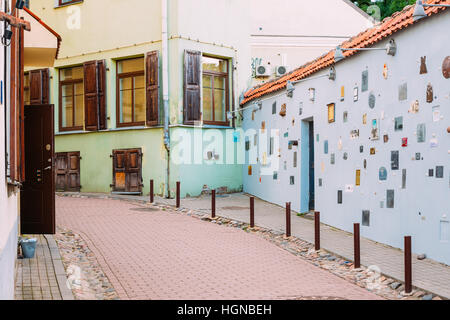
[[85, 275], [42, 277], [156, 253]]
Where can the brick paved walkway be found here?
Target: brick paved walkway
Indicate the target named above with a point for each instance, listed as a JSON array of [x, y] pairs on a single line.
[[428, 275], [155, 254], [42, 277]]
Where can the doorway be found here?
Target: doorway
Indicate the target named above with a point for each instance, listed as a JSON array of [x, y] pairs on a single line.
[[37, 196], [307, 189], [311, 165]]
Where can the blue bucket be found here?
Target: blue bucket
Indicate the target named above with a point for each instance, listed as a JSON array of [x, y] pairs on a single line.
[[28, 248]]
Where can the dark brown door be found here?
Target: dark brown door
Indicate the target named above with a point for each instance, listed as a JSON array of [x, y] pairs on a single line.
[[127, 171], [67, 166], [37, 197]]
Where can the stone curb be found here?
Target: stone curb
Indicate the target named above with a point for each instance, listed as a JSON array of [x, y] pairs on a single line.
[[60, 272]]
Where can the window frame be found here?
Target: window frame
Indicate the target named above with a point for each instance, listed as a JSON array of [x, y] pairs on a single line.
[[217, 74], [61, 4], [125, 75], [72, 82]]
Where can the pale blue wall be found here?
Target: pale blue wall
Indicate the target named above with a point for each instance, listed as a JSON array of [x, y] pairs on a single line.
[[428, 196]]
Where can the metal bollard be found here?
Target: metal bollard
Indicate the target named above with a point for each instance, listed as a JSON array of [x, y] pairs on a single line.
[[317, 230], [213, 203], [288, 219], [178, 194], [408, 265], [252, 212], [356, 246], [152, 194]]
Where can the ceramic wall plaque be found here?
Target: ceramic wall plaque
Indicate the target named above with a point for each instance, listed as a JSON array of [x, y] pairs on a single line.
[[365, 80], [365, 164], [439, 172], [418, 156], [354, 134], [247, 145], [372, 151], [404, 142], [275, 175], [364, 119], [382, 174], [431, 172], [332, 158], [295, 160], [398, 124], [331, 112], [365, 221], [345, 116], [345, 156], [385, 138], [403, 178], [320, 182], [274, 107], [436, 113], [394, 160], [339, 196], [372, 100], [421, 132], [358, 178], [249, 170], [283, 110], [446, 68], [355, 94], [414, 107], [342, 93], [292, 180], [375, 132], [325, 147], [403, 92], [361, 149], [423, 65], [430, 96], [312, 94], [390, 199], [385, 71]]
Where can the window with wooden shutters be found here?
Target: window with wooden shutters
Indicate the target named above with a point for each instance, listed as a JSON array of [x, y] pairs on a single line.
[[67, 173], [91, 98], [152, 87], [101, 75], [37, 83], [71, 99], [215, 90], [192, 60], [127, 171], [131, 107]]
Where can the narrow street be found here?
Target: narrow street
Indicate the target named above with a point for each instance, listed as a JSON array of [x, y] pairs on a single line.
[[152, 253]]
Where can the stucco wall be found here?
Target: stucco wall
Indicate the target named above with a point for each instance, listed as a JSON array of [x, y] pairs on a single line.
[[421, 207]]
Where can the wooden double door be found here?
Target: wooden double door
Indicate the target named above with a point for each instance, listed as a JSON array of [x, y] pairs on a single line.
[[67, 177], [127, 171]]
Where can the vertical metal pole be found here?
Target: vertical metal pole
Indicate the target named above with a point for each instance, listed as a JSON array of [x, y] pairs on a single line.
[[178, 194], [252, 212], [213, 203], [317, 230], [152, 193], [408, 265], [288, 219], [356, 246]]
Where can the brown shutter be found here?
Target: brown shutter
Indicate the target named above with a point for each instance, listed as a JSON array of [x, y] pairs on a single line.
[[192, 60], [134, 170], [61, 171], [152, 87], [73, 171], [39, 87], [101, 74], [90, 96], [119, 169]]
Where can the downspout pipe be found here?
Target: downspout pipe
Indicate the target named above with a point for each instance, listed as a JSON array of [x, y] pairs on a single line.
[[165, 87]]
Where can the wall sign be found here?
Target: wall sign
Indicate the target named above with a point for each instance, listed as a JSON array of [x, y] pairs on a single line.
[[446, 68], [403, 91]]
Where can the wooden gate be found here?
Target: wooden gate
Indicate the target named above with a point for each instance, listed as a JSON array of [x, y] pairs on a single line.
[[127, 171]]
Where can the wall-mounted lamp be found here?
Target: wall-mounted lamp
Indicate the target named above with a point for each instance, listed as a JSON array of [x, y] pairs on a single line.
[[391, 49], [290, 84], [419, 10]]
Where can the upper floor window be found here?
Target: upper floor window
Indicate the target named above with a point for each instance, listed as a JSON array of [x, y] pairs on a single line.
[[71, 93], [131, 101], [66, 2], [215, 90]]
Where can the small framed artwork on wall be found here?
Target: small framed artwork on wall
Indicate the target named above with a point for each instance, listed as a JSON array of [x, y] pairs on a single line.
[[331, 112]]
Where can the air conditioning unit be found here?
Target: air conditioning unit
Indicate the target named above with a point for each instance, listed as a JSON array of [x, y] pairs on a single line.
[[262, 71], [281, 70]]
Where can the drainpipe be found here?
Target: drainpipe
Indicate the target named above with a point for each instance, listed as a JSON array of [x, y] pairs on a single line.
[[165, 82]]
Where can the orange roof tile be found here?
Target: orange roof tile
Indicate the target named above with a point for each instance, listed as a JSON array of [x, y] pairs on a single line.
[[384, 29]]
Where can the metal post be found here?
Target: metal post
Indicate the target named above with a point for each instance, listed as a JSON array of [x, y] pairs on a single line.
[[151, 192], [288, 219], [178, 194], [213, 203], [317, 230], [356, 246], [408, 265], [252, 212]]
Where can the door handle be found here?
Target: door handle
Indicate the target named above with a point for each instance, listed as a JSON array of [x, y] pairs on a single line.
[[48, 168]]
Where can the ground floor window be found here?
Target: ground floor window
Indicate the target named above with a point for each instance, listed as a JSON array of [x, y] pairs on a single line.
[[127, 171], [67, 171]]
